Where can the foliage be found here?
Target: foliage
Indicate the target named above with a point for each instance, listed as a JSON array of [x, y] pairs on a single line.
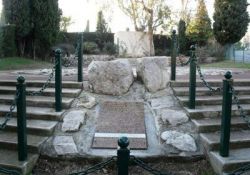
[[65, 22], [182, 36], [18, 13], [101, 26], [110, 48], [101, 29], [239, 46], [7, 38], [90, 48], [162, 43], [199, 30], [146, 14], [46, 20], [21, 63], [37, 24], [230, 20]]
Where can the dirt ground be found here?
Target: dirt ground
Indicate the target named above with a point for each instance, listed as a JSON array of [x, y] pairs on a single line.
[[63, 167]]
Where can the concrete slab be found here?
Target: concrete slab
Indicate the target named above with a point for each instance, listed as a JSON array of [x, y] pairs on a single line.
[[120, 119]]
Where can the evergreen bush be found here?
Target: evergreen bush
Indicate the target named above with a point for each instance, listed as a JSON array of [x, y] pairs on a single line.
[[7, 41]]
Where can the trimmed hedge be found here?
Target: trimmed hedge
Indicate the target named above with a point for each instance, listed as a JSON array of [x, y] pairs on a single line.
[[162, 44], [95, 37], [7, 41]]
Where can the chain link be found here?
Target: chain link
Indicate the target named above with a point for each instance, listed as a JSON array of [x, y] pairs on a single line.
[[9, 114], [241, 170], [46, 84], [96, 167], [9, 172], [205, 82], [240, 108], [184, 63], [143, 165]]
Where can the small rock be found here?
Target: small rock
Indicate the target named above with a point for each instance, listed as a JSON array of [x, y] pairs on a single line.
[[181, 141], [87, 101], [173, 117], [64, 145], [73, 120]]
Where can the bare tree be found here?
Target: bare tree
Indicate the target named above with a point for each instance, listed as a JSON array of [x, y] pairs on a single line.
[[146, 15]]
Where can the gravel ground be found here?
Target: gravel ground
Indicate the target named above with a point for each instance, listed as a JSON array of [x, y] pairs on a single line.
[[63, 167]]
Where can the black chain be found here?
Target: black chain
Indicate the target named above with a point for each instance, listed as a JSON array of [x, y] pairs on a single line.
[[143, 165], [241, 170], [46, 84], [184, 63], [96, 167], [9, 172], [205, 82], [9, 114], [237, 102]]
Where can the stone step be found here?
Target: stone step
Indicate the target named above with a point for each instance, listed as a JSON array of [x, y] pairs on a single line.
[[212, 82], [238, 139], [47, 92], [201, 91], [212, 111], [213, 124], [38, 101], [39, 83], [236, 159], [35, 127], [9, 160], [212, 100], [35, 113], [8, 140]]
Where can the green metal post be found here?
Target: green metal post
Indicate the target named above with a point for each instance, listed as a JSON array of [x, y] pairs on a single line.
[[226, 115], [21, 119], [58, 80], [173, 56], [123, 155], [192, 79], [80, 79]]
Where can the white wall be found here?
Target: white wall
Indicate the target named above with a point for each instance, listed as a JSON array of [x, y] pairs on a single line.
[[133, 44]]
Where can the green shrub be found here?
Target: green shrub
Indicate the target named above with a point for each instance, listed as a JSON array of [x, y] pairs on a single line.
[[90, 48], [110, 48], [7, 41]]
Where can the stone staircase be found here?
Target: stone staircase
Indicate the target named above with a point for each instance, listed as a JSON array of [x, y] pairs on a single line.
[[41, 120], [207, 120]]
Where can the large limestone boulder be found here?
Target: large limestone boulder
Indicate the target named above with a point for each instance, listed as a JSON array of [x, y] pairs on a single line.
[[153, 72], [110, 77]]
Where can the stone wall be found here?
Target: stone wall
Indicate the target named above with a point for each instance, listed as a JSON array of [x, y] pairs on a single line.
[[133, 44]]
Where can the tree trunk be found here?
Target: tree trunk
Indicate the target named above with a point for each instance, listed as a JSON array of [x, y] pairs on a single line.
[[229, 52]]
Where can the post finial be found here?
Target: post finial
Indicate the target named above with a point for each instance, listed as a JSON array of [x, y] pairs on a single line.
[[192, 47], [123, 142], [20, 79], [58, 51], [174, 32], [228, 75]]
